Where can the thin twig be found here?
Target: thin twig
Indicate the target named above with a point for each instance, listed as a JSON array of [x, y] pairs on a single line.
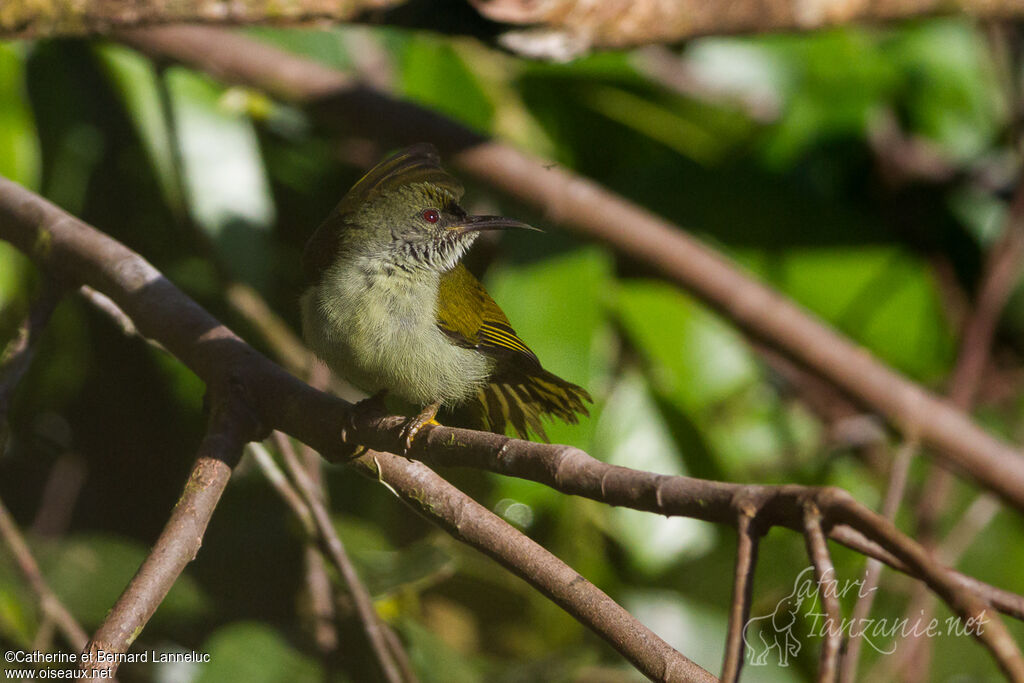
[[825, 575], [371, 622], [52, 608], [873, 568], [17, 357], [229, 429], [742, 592], [468, 521]]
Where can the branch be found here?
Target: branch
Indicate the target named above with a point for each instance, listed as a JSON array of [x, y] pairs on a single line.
[[17, 357], [593, 212], [280, 401], [391, 666], [468, 521], [29, 19], [825, 575], [873, 568], [568, 27], [742, 592], [231, 426]]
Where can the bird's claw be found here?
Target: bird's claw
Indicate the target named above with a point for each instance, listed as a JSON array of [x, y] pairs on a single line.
[[413, 426], [370, 407]]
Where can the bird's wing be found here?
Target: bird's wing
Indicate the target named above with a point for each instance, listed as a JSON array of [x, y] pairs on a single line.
[[470, 318], [520, 391]]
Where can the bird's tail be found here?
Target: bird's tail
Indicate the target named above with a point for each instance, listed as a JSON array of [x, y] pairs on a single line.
[[521, 401]]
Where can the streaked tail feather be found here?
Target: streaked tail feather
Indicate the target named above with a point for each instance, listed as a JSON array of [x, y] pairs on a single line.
[[522, 401]]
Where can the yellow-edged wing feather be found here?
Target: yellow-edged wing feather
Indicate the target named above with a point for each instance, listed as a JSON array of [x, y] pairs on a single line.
[[468, 314], [520, 390]]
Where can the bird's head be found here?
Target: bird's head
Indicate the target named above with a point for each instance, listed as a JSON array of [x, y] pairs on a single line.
[[406, 213]]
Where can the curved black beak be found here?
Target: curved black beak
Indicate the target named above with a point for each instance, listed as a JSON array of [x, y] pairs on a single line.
[[481, 223]]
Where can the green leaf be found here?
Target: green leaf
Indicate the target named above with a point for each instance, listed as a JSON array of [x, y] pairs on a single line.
[[694, 356], [433, 660], [433, 74], [556, 306], [882, 297], [255, 653], [223, 185], [950, 89], [19, 146], [385, 569], [633, 433], [89, 573], [135, 80]]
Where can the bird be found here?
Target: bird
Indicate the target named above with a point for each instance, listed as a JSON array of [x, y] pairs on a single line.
[[389, 306]]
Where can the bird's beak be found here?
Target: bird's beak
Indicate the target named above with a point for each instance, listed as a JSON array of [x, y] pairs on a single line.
[[481, 223]]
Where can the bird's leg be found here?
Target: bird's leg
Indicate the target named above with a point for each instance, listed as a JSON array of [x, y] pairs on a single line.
[[417, 423], [370, 407]]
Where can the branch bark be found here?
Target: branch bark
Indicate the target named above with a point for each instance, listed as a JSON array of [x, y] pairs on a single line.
[[554, 29], [593, 212], [30, 19], [563, 28], [422, 489]]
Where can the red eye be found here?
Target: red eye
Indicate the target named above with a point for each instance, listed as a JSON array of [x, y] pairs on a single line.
[[431, 216]]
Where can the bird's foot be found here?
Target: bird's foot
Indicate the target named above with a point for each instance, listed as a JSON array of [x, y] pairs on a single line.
[[412, 428], [368, 408]]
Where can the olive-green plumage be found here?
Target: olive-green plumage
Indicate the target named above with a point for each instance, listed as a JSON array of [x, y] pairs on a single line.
[[389, 306]]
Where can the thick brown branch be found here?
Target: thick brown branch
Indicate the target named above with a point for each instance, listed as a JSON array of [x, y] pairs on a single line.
[[594, 212], [33, 19], [465, 519], [575, 25], [230, 428]]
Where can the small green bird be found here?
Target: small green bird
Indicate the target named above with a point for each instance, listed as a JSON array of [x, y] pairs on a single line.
[[390, 307]]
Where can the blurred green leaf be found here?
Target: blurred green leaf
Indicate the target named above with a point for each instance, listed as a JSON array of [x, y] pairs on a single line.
[[255, 653], [89, 573], [135, 80], [632, 433], [950, 90], [434, 75], [385, 569], [18, 621], [694, 357], [433, 660], [835, 80], [207, 159], [557, 308], [882, 297], [19, 146]]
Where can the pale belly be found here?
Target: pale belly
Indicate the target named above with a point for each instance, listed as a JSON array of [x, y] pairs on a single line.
[[380, 332]]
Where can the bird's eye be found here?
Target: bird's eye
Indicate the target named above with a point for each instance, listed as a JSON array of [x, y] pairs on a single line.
[[431, 215]]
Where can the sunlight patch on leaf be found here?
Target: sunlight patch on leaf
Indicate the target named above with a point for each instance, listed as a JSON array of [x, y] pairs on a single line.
[[632, 433]]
